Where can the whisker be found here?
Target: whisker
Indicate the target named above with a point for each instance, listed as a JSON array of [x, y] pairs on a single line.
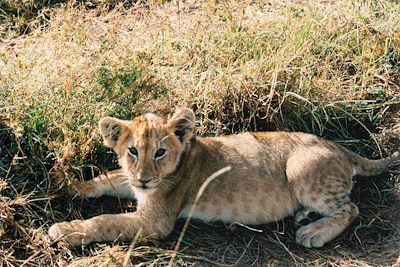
[[167, 183], [124, 177], [165, 186], [162, 184], [125, 183]]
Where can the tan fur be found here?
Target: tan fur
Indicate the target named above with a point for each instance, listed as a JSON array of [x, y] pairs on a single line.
[[274, 174]]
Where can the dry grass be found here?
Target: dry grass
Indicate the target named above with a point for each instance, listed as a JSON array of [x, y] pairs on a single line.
[[330, 68]]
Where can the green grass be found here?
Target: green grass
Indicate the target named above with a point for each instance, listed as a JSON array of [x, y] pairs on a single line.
[[332, 69]]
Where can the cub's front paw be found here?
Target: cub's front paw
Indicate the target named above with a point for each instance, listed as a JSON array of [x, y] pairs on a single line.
[[70, 232]]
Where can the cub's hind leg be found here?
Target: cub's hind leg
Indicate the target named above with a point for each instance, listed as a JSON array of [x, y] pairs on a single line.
[[113, 183], [334, 221], [321, 182]]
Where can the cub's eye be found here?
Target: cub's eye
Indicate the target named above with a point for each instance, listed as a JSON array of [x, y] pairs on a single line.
[[133, 152], [160, 153]]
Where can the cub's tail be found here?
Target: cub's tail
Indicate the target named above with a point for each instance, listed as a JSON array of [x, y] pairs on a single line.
[[368, 167]]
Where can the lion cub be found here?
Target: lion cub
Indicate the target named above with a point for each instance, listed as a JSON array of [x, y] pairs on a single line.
[[273, 175]]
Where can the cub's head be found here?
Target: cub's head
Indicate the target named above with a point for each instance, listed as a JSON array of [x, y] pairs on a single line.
[[149, 147]]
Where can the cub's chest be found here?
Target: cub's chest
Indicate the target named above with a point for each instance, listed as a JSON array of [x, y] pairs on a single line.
[[142, 196]]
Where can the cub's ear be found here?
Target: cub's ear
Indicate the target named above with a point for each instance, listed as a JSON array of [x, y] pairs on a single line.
[[111, 129], [182, 123]]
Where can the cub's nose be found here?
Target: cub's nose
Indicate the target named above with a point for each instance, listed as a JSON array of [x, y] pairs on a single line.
[[144, 182], [144, 179]]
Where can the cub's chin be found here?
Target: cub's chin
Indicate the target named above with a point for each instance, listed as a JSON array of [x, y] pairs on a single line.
[[144, 189]]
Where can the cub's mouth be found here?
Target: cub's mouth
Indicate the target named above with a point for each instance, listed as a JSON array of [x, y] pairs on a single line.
[[143, 185], [140, 184], [144, 189]]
